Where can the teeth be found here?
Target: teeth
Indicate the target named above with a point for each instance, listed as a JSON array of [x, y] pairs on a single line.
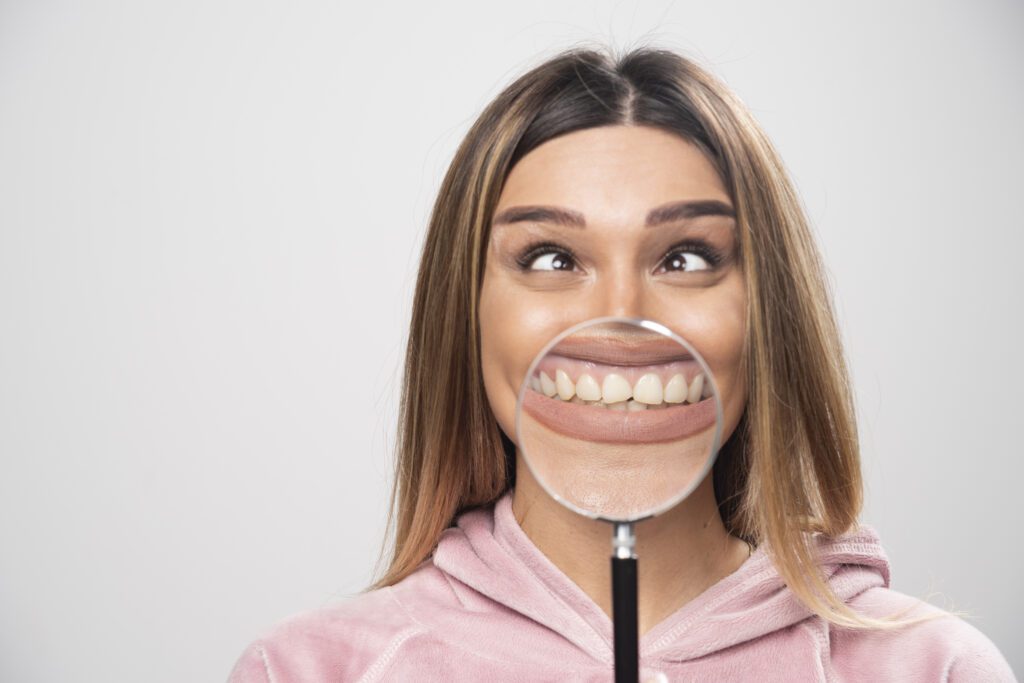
[[648, 389], [566, 389], [615, 392], [615, 389], [546, 385], [698, 385], [587, 388], [675, 390]]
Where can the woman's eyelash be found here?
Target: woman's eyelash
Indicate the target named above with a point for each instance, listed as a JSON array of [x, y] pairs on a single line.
[[527, 257], [710, 254], [713, 256]]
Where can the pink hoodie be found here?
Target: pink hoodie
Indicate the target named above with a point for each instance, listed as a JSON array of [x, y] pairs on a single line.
[[489, 606]]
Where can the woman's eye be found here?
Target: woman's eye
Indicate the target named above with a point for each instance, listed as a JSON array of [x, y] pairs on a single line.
[[686, 261], [552, 260]]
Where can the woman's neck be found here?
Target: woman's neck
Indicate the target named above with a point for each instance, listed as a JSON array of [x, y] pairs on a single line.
[[681, 552]]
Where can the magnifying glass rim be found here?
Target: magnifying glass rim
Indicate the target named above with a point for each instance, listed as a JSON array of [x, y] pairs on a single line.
[[654, 327]]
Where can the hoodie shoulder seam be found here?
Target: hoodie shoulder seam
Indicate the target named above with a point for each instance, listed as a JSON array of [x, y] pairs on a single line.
[[821, 636], [384, 659]]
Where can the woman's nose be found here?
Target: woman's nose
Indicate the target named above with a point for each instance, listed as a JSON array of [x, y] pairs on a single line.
[[623, 295]]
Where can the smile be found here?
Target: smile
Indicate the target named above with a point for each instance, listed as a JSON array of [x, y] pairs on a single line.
[[614, 403]]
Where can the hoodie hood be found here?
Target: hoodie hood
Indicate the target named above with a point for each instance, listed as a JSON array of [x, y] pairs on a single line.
[[489, 553]]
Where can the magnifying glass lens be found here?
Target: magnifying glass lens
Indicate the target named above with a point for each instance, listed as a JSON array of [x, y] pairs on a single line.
[[619, 419]]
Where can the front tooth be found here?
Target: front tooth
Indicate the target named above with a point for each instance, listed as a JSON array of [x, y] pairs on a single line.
[[707, 390], [698, 385], [566, 389], [634, 406], [618, 405], [675, 390], [587, 388], [546, 385], [615, 388], [648, 389], [535, 383]]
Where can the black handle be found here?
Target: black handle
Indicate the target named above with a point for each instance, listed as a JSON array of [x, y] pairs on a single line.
[[624, 620]]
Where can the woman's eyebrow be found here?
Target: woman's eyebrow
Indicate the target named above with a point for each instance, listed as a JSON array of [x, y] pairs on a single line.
[[680, 211], [666, 213]]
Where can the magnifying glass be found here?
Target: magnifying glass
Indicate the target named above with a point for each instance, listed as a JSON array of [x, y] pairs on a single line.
[[619, 419]]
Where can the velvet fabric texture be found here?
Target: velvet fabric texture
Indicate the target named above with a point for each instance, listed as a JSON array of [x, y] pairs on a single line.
[[489, 606]]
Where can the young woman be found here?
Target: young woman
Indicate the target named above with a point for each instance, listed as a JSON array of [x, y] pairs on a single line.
[[637, 186]]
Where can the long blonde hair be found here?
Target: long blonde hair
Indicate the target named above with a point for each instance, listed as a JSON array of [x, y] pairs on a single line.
[[791, 467]]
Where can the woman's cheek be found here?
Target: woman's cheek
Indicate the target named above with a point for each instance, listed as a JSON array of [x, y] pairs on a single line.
[[498, 399], [514, 328], [727, 361], [491, 352], [715, 325]]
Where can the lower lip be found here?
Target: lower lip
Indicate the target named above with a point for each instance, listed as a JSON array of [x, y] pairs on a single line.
[[590, 423]]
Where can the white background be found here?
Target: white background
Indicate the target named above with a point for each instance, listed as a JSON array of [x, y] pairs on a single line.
[[210, 218]]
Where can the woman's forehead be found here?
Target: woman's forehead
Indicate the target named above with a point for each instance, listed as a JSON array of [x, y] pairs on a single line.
[[612, 172]]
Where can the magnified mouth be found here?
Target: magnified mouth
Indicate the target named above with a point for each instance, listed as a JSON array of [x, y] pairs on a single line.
[[661, 395]]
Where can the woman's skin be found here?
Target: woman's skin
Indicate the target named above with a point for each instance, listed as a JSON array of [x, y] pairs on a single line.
[[613, 177]]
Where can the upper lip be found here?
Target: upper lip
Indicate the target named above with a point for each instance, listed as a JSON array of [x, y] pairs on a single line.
[[619, 351]]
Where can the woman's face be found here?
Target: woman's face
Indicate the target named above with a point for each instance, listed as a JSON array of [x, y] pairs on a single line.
[[619, 250]]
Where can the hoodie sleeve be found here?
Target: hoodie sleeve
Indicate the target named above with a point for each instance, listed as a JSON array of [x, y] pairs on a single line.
[[251, 666], [361, 637], [979, 660]]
